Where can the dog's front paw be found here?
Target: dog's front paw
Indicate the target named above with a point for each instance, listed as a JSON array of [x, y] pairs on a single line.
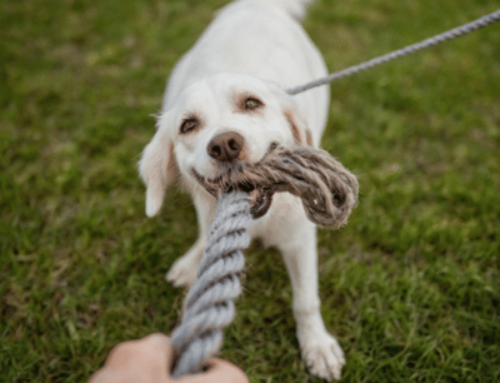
[[323, 356], [183, 272]]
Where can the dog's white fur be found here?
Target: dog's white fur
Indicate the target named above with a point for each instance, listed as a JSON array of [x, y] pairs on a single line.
[[256, 48]]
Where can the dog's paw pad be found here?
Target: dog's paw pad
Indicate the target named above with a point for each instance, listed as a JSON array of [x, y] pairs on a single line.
[[182, 273], [324, 357]]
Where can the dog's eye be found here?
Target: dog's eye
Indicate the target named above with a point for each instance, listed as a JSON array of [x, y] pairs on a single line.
[[252, 104], [189, 126]]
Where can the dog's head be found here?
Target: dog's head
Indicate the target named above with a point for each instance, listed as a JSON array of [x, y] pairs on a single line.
[[216, 123]]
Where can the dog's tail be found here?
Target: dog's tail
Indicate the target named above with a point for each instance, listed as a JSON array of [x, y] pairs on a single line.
[[296, 8]]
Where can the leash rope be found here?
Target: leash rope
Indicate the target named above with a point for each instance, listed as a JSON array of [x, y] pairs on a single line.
[[435, 40]]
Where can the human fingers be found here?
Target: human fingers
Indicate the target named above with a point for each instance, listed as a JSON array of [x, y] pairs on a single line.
[[154, 345], [141, 360], [219, 371]]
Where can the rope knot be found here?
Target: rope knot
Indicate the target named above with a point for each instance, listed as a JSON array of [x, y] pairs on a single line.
[[327, 189]]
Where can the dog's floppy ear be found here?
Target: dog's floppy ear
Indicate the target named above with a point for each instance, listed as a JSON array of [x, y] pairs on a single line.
[[300, 131], [158, 169], [297, 124]]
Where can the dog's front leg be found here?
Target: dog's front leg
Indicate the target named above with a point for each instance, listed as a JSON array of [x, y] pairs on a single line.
[[183, 271], [320, 351]]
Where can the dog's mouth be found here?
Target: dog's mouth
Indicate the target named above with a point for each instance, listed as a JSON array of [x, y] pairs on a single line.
[[262, 198]]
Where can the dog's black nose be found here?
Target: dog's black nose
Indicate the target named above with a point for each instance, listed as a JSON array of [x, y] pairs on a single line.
[[225, 147]]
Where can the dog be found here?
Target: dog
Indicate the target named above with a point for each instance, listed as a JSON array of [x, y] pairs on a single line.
[[226, 103]]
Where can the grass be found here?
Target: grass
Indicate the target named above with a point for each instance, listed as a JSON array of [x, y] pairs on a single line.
[[410, 287]]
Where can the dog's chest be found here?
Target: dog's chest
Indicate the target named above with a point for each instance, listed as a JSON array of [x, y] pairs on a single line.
[[282, 221]]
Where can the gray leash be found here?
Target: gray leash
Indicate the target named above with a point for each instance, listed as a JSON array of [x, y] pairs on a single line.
[[209, 305], [452, 34]]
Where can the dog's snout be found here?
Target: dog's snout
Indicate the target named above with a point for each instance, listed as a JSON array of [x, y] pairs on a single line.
[[225, 147]]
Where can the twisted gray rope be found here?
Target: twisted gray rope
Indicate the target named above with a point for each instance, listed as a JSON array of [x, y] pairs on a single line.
[[452, 34], [209, 305]]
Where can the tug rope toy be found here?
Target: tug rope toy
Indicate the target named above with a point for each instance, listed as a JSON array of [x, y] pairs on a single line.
[[328, 192]]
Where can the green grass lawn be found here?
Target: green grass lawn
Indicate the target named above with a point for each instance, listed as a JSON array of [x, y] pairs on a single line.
[[410, 286]]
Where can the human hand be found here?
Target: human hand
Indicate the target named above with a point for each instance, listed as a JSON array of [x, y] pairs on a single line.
[[147, 360]]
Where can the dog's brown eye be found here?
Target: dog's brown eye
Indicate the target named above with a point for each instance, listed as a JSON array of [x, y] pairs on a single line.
[[189, 126], [252, 104]]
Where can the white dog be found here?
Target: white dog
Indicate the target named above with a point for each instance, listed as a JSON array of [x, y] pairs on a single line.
[[226, 102]]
